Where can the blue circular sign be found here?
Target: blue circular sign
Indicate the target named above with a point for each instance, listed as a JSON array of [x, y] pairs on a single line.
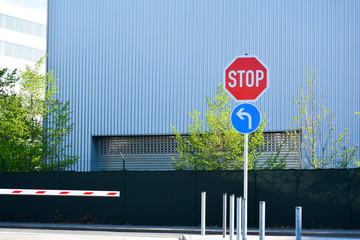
[[245, 118]]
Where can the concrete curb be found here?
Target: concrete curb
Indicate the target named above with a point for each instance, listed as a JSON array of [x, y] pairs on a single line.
[[181, 230], [99, 227]]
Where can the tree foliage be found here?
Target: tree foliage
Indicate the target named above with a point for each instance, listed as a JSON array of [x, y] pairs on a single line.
[[277, 160], [318, 144], [56, 129], [13, 123], [24, 141], [214, 144]]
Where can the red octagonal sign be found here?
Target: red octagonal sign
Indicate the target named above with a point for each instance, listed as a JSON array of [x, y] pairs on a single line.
[[246, 78]]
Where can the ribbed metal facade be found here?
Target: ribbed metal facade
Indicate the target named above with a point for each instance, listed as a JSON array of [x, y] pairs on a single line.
[[136, 67]]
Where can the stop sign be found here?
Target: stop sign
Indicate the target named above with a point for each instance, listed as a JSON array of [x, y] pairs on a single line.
[[246, 78]]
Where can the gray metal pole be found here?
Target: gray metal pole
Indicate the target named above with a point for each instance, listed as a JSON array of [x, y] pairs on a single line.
[[224, 214], [238, 218], [203, 210], [244, 223], [298, 220], [232, 210], [123, 190], [245, 187], [262, 221]]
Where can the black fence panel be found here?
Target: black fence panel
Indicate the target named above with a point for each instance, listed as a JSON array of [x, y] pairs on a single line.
[[216, 183], [330, 198], [28, 208], [353, 198], [159, 198], [100, 209], [320, 193]]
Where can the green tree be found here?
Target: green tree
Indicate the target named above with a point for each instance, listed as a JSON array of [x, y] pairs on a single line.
[[56, 129], [356, 161], [220, 146], [12, 122], [317, 144], [277, 160], [36, 90], [23, 142]]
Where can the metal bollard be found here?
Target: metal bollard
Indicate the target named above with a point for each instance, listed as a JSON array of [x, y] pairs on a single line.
[[203, 210], [238, 218], [244, 220], [298, 220], [232, 210], [262, 220], [224, 214]]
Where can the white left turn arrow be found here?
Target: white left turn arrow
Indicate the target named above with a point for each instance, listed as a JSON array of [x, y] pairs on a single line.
[[241, 115]]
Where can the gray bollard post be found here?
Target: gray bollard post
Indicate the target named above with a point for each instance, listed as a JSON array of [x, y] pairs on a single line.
[[224, 214], [298, 222], [244, 220], [262, 220], [232, 210], [238, 218], [203, 211]]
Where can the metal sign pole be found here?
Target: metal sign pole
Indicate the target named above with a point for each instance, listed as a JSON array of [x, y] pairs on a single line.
[[244, 227], [246, 118]]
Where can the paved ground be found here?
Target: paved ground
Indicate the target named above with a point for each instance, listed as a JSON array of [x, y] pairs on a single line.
[[219, 237], [39, 234], [17, 231]]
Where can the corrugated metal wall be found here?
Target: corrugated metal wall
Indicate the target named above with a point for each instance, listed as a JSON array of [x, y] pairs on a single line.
[[137, 67]]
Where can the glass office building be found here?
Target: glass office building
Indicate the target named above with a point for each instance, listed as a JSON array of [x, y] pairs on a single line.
[[22, 32]]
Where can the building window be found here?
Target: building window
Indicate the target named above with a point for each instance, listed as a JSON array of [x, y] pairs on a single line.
[[21, 52], [22, 26]]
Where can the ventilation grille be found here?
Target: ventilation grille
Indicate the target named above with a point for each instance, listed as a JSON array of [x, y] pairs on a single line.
[[280, 140], [156, 152], [275, 140], [137, 145]]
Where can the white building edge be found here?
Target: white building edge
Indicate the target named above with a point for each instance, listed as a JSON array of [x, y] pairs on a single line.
[[22, 33]]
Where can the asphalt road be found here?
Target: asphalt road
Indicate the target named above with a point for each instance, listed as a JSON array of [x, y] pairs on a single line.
[[193, 237], [37, 234]]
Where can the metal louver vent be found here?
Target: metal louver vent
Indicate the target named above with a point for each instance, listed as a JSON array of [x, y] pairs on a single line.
[[275, 140], [280, 140], [156, 152], [140, 152], [137, 145]]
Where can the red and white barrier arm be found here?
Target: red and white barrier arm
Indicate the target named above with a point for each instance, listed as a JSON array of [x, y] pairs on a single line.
[[70, 193]]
